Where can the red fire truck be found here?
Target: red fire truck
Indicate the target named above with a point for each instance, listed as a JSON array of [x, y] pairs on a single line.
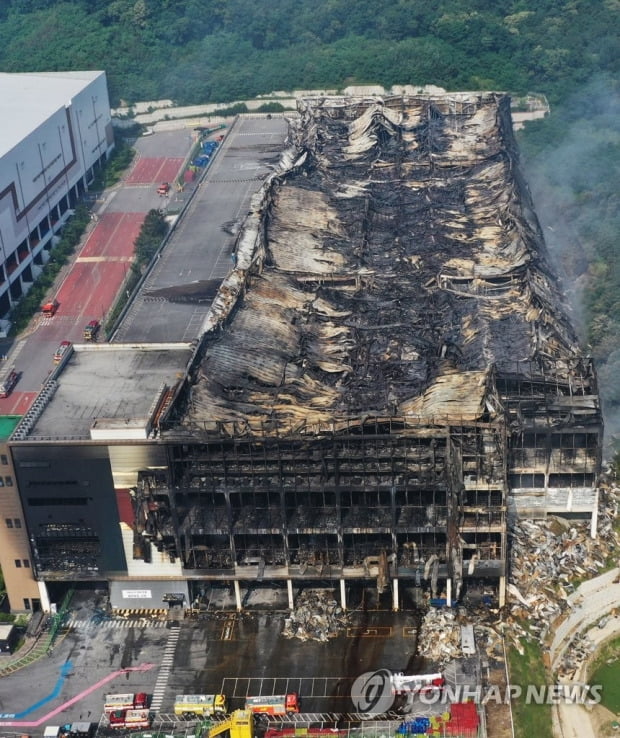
[[129, 719], [120, 702], [280, 704], [417, 683]]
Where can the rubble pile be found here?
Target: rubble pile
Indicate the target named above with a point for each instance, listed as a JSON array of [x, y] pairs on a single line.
[[547, 556], [317, 617], [439, 638], [580, 649], [489, 642]]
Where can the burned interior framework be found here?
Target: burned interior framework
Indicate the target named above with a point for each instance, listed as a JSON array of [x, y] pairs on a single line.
[[388, 373]]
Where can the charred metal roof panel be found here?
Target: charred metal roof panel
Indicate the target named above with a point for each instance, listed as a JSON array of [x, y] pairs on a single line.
[[389, 268]]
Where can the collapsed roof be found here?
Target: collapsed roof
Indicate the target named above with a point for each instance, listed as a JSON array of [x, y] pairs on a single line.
[[389, 269]]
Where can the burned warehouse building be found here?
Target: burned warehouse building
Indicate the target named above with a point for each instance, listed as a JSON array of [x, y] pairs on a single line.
[[386, 378]]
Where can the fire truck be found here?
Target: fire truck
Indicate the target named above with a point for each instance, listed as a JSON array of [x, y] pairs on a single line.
[[241, 725], [50, 308], [130, 719], [189, 705], [64, 347], [90, 330], [281, 704], [116, 702], [9, 381], [417, 683]]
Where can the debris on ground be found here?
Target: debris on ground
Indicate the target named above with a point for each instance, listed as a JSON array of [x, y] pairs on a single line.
[[316, 617], [580, 649], [548, 559], [440, 636]]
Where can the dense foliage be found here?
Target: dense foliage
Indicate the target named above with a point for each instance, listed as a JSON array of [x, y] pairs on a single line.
[[196, 51], [216, 50], [150, 237]]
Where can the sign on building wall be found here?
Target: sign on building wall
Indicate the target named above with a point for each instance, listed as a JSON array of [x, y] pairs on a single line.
[[136, 594]]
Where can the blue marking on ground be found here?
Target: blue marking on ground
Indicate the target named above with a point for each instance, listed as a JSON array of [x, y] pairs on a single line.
[[65, 670]]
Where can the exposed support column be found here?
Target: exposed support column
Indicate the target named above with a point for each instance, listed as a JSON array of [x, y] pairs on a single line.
[[502, 591], [343, 595], [43, 596], [594, 521], [449, 592], [395, 595], [238, 595], [289, 586]]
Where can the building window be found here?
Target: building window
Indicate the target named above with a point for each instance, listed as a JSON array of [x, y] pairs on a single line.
[[26, 563], [4, 459], [17, 522], [8, 481], [9, 523], [18, 564], [26, 603]]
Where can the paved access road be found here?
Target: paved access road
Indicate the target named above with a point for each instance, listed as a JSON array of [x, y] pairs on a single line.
[[237, 654], [179, 289], [87, 287]]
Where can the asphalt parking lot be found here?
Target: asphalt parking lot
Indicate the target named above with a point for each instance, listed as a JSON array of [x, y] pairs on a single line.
[[238, 654]]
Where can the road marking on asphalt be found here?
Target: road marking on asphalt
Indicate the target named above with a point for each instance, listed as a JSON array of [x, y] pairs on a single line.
[[90, 625], [374, 632], [228, 631], [167, 663], [315, 687]]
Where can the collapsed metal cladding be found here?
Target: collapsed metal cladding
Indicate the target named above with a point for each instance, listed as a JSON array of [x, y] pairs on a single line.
[[388, 373]]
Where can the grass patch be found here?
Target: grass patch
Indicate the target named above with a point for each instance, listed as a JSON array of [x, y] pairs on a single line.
[[605, 671], [529, 669]]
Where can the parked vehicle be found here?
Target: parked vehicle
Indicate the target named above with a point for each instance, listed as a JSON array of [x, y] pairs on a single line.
[[64, 347], [239, 725], [77, 730], [90, 330], [50, 308], [189, 705], [130, 719], [163, 189], [417, 683], [129, 701], [8, 383], [281, 704]]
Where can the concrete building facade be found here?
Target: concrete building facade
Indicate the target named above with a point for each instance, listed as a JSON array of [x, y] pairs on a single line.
[[55, 132]]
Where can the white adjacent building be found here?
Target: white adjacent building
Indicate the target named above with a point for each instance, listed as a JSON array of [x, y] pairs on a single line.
[[55, 132]]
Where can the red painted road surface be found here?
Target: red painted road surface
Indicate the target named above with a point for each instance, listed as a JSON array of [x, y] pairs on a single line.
[[93, 282], [90, 288], [17, 403], [114, 235], [146, 171]]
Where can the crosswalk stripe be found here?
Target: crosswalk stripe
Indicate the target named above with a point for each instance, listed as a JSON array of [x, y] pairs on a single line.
[[164, 672]]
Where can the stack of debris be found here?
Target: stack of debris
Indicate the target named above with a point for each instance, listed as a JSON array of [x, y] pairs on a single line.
[[439, 638], [579, 650], [440, 635], [317, 617], [548, 557]]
